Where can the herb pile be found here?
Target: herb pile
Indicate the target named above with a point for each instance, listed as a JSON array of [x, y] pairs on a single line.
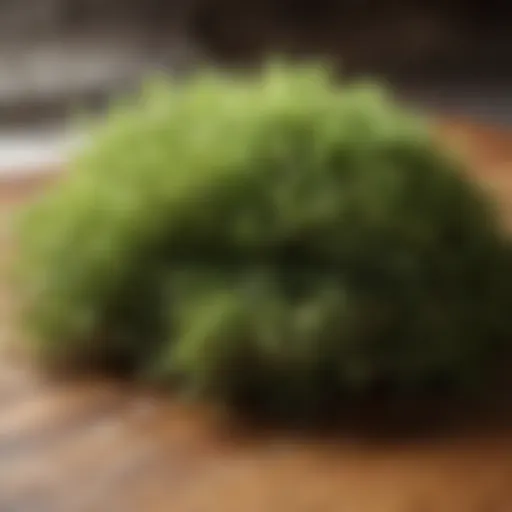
[[277, 241]]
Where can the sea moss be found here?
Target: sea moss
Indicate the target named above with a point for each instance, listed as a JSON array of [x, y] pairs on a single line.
[[274, 239]]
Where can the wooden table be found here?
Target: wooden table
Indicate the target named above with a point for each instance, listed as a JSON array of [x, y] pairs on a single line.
[[95, 445]]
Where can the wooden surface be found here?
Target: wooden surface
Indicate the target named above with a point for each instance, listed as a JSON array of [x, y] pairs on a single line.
[[103, 446]]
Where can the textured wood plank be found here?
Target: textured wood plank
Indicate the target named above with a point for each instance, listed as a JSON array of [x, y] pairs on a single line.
[[103, 446]]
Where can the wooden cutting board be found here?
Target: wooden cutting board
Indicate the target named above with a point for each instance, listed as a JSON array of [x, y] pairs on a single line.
[[95, 445]]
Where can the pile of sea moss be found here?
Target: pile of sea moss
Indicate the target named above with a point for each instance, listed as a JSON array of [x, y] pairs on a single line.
[[272, 240]]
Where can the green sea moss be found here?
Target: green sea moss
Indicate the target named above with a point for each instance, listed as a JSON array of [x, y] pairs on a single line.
[[275, 240]]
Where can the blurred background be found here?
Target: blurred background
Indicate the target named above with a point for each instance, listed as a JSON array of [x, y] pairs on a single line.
[[452, 56]]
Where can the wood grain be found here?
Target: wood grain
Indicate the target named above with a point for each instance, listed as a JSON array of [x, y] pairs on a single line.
[[97, 445]]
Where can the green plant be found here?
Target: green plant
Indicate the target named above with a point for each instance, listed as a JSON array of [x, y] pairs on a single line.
[[275, 240]]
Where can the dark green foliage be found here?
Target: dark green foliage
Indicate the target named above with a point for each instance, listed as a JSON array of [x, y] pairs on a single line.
[[271, 240]]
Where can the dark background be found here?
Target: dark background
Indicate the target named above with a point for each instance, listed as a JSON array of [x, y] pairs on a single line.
[[452, 54]]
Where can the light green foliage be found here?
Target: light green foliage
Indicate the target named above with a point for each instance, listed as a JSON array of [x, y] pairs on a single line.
[[276, 240]]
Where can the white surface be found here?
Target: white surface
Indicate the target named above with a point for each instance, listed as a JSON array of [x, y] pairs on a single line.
[[33, 152]]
